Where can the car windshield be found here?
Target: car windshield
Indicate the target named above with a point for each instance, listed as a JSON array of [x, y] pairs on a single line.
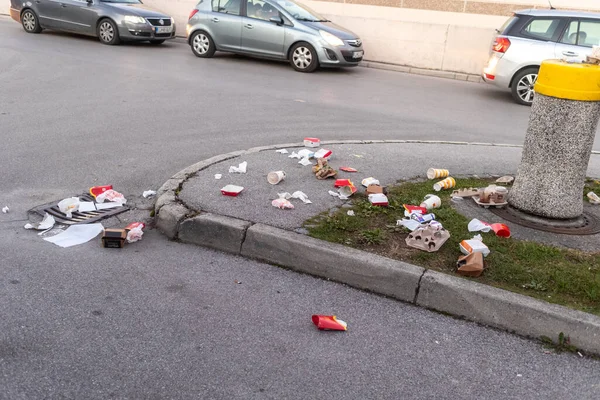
[[300, 12], [122, 1]]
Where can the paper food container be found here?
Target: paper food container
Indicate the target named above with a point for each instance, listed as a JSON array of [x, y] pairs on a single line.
[[501, 230], [329, 322], [409, 210], [96, 190], [378, 199], [348, 169], [312, 142], [231, 190], [369, 181], [323, 153], [473, 246]]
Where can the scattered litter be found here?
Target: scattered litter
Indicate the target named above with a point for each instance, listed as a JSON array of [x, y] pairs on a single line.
[[342, 182], [456, 199], [322, 153], [358, 155], [519, 375], [282, 151], [593, 198], [378, 199], [87, 206], [218, 176], [111, 195], [422, 218], [114, 238], [480, 226], [5, 209], [435, 173], [275, 177], [350, 213], [305, 161], [409, 224], [334, 194], [492, 196], [149, 193], [470, 265], [447, 183], [409, 210], [68, 206], [329, 322], [348, 169], [106, 206], [306, 153], [302, 196], [135, 231], [237, 282], [300, 101], [231, 190], [505, 180], [96, 190], [369, 181], [322, 170], [431, 201], [295, 155], [474, 245], [312, 142], [282, 203], [240, 169], [374, 189], [76, 234], [427, 238], [346, 191], [580, 355], [47, 223], [470, 192]]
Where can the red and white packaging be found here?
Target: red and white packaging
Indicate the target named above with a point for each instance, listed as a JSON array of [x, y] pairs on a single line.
[[329, 323], [96, 190], [409, 210], [231, 190], [378, 199], [348, 169], [312, 142], [322, 153]]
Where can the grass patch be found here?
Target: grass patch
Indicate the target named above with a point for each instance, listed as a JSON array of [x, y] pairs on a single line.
[[561, 276]]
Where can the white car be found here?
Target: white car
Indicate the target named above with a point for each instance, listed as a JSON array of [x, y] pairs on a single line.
[[532, 36]]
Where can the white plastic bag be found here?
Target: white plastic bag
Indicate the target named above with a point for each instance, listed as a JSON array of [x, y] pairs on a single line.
[[69, 206], [135, 234], [111, 196]]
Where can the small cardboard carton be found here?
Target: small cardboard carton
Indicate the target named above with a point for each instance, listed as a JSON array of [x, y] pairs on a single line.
[[374, 189], [114, 238], [470, 265]]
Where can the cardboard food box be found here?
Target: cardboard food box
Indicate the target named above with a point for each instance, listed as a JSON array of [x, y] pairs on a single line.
[[470, 265], [373, 189], [114, 238]]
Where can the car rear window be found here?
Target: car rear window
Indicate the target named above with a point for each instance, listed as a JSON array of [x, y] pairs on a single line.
[[507, 25], [541, 28]]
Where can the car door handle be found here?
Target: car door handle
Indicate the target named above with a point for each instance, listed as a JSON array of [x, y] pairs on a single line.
[[215, 19], [248, 26], [569, 53]]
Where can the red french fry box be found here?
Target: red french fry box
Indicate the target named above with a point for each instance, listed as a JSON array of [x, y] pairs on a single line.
[[135, 225], [348, 169], [312, 142], [415, 209], [329, 322], [342, 182], [231, 190], [96, 190], [501, 230]]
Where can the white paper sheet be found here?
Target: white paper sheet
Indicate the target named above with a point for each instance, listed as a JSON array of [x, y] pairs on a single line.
[[76, 234], [104, 206], [86, 206]]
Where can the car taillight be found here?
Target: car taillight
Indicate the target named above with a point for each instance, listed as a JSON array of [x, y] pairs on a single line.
[[194, 11], [501, 44]]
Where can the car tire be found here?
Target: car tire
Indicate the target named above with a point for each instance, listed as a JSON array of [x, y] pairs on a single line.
[[108, 32], [303, 57], [157, 41], [202, 45], [30, 22], [522, 86]]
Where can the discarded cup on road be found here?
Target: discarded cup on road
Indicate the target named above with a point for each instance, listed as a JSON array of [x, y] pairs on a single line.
[[435, 173], [593, 198], [329, 322], [501, 230], [275, 177], [312, 142], [431, 201], [447, 183]]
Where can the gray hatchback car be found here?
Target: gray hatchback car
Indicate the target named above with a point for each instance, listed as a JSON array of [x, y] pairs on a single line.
[[109, 20], [274, 29]]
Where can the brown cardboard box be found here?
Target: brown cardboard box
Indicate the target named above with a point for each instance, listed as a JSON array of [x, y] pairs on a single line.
[[374, 189], [470, 265], [114, 238]]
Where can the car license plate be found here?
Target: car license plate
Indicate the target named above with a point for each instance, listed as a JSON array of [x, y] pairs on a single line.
[[358, 54], [164, 29]]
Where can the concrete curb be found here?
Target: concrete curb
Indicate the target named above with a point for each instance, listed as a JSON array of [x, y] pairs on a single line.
[[459, 76], [402, 281]]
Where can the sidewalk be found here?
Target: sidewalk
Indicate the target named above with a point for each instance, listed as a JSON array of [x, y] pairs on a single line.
[[191, 208]]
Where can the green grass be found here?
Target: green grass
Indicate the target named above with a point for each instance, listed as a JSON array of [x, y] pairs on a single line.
[[562, 276]]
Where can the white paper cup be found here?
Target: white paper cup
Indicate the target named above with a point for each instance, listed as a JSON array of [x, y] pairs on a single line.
[[275, 177], [435, 173], [431, 201]]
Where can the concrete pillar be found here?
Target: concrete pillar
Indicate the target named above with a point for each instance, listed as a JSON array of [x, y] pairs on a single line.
[[559, 141]]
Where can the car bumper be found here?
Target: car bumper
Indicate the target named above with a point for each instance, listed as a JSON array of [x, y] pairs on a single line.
[[343, 56], [498, 71], [129, 31]]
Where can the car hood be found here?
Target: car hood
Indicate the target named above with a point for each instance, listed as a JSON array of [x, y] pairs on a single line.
[[136, 9], [332, 28]]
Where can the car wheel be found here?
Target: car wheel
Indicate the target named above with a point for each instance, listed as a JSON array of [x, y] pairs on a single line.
[[303, 57], [202, 45], [30, 22], [157, 41], [522, 87], [108, 32]]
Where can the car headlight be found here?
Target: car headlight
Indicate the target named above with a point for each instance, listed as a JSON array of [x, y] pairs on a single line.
[[172, 21], [134, 19], [331, 39]]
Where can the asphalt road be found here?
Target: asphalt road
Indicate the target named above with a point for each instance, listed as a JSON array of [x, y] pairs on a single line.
[[164, 320]]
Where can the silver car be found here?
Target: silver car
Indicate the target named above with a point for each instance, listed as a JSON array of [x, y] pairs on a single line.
[[109, 20], [274, 29], [532, 36]]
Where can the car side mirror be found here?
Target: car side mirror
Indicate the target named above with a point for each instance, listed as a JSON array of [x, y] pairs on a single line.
[[276, 20]]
